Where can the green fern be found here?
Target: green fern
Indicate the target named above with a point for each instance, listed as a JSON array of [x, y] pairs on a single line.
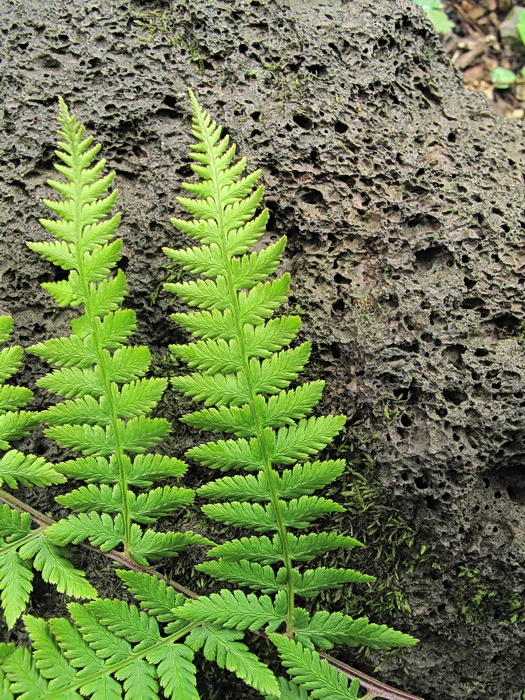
[[108, 398], [243, 370], [23, 548], [312, 673], [113, 649]]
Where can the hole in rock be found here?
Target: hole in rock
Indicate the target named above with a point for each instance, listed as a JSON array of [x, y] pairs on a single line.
[[340, 128], [335, 350], [316, 69], [402, 393], [338, 305], [302, 121], [312, 196], [507, 322], [435, 255], [171, 102], [453, 353], [454, 396], [406, 420], [514, 478], [123, 263]]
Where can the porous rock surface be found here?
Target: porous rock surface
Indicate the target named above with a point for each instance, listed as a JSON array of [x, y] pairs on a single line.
[[402, 198]]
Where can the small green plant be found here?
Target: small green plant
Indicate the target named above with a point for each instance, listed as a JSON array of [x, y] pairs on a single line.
[[112, 648], [503, 78], [105, 416], [434, 11]]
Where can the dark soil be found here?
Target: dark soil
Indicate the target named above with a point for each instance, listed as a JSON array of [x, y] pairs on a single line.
[[402, 197]]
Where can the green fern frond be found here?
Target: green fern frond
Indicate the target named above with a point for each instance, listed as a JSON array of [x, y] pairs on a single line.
[[302, 480], [154, 595], [16, 584], [242, 372], [307, 583], [223, 646], [313, 673], [236, 610], [106, 414], [325, 629], [270, 551]]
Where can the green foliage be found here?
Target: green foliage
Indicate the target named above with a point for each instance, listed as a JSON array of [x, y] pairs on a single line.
[[434, 11], [313, 673], [242, 373], [105, 416], [23, 548], [113, 649], [503, 78]]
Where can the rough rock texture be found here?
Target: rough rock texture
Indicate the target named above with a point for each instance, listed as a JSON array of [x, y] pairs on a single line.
[[402, 197]]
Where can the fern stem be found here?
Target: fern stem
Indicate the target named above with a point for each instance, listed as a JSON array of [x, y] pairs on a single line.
[[267, 465], [101, 353], [112, 668]]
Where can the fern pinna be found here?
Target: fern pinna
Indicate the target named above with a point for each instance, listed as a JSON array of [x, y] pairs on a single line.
[[108, 398], [22, 547], [242, 375]]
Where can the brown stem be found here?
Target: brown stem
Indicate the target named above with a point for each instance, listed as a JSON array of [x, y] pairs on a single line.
[[375, 689]]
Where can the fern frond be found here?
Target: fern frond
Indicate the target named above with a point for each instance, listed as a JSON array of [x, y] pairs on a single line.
[[154, 595], [313, 673], [27, 470], [297, 513], [90, 658], [242, 374], [106, 415], [223, 646], [24, 549], [325, 629], [55, 567], [306, 584], [303, 479], [234, 609], [112, 649], [16, 584], [101, 530]]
